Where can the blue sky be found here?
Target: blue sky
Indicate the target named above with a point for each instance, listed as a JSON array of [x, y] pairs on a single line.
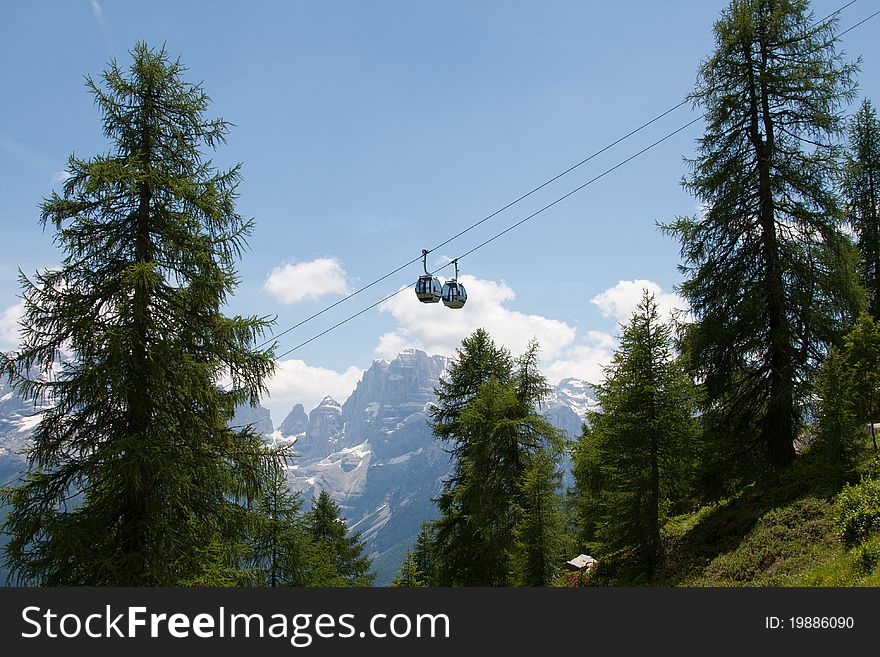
[[371, 130]]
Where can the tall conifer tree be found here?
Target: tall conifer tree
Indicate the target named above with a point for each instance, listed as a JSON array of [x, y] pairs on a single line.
[[281, 551], [641, 440], [409, 576], [477, 361], [135, 478], [862, 192], [490, 415], [847, 388], [539, 527], [332, 540], [770, 273]]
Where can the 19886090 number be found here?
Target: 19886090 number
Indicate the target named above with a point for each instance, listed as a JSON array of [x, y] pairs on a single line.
[[821, 622]]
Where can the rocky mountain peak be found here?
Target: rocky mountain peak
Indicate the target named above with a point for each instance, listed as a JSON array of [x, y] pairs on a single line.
[[323, 432], [576, 394], [296, 423], [256, 417]]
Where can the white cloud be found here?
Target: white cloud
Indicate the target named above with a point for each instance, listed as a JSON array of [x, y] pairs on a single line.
[[294, 282], [9, 328], [296, 382], [564, 353], [587, 359], [60, 176], [583, 361], [620, 301], [391, 344], [97, 10], [439, 330]]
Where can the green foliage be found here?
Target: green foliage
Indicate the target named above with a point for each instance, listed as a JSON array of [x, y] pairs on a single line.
[[425, 555], [857, 511], [339, 558], [135, 478], [793, 544], [862, 353], [410, 576], [869, 468], [847, 387], [572, 579], [770, 273], [838, 429], [488, 411], [868, 554], [835, 566], [477, 361], [281, 551], [539, 536], [777, 531], [420, 566], [634, 461], [861, 188], [590, 480]]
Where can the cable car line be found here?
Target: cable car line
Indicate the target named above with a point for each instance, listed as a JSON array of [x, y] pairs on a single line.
[[478, 223], [512, 203], [497, 235], [577, 189], [862, 22]]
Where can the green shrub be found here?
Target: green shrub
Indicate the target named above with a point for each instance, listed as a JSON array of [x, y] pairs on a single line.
[[870, 467], [868, 555], [857, 511]]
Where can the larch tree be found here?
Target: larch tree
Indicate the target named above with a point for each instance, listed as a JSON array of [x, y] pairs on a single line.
[[862, 352], [332, 541], [477, 361], [409, 576], [135, 478], [539, 537], [861, 186], [585, 497], [770, 274], [495, 432], [281, 551], [639, 445], [849, 390], [424, 555], [838, 431]]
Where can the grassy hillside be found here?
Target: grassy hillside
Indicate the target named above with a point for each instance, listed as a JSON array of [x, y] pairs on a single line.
[[805, 527]]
